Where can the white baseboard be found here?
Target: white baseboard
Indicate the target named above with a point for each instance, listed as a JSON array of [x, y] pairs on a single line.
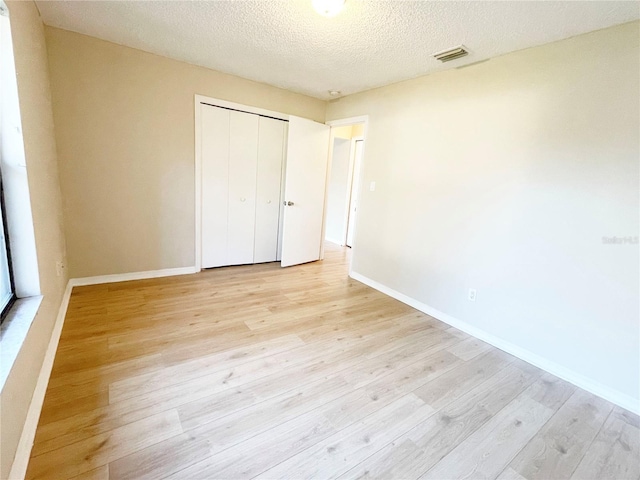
[[623, 400], [21, 459], [125, 277]]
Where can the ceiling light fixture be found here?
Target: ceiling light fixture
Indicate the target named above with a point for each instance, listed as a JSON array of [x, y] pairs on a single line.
[[328, 8], [334, 93]]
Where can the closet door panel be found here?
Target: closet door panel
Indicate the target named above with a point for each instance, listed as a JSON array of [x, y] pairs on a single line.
[[243, 161], [215, 191], [270, 155]]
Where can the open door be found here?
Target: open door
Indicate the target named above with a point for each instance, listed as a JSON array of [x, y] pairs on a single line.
[[305, 183], [355, 183]]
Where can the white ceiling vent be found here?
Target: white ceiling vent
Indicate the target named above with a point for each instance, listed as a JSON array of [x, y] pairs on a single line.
[[451, 53]]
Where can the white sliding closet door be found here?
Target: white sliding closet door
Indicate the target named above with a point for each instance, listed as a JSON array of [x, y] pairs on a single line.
[[215, 181], [243, 163], [271, 142]]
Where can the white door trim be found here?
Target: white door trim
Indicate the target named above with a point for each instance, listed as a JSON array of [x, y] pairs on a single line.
[[350, 121], [216, 102], [198, 184]]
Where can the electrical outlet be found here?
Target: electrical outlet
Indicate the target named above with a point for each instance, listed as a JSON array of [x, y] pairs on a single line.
[[472, 294], [59, 268]]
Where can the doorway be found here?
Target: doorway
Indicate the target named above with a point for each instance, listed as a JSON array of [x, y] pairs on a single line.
[[346, 147], [353, 200]]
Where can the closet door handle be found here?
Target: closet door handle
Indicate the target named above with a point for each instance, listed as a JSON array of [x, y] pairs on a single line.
[[242, 199], [287, 204], [268, 201]]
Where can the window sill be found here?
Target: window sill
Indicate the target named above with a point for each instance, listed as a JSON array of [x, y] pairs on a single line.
[[13, 332]]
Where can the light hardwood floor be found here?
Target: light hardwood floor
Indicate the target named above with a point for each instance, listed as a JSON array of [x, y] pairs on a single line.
[[265, 372]]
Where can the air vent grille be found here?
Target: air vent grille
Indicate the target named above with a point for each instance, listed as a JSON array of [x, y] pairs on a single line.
[[451, 54]]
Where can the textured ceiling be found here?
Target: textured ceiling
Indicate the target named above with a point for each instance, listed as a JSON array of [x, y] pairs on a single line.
[[369, 44]]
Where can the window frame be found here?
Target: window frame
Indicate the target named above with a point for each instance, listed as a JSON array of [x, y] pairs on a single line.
[[7, 242]]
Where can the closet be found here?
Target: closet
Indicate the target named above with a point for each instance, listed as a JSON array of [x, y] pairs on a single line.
[[242, 170]]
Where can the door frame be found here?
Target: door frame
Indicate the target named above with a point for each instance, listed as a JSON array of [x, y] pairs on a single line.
[[350, 181], [341, 122], [214, 102]]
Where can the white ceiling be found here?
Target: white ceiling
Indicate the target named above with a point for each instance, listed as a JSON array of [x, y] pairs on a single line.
[[369, 44]]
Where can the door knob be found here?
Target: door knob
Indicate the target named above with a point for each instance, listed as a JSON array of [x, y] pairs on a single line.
[[268, 201], [243, 199], [288, 204]]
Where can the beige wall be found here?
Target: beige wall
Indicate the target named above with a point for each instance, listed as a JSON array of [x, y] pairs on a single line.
[[348, 131], [504, 177], [125, 132], [342, 132], [40, 152]]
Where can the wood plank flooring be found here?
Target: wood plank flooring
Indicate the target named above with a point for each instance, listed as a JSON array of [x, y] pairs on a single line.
[[263, 372]]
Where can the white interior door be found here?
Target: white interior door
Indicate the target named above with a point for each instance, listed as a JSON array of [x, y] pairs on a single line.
[[355, 183], [215, 186], [271, 144], [305, 183], [243, 168]]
